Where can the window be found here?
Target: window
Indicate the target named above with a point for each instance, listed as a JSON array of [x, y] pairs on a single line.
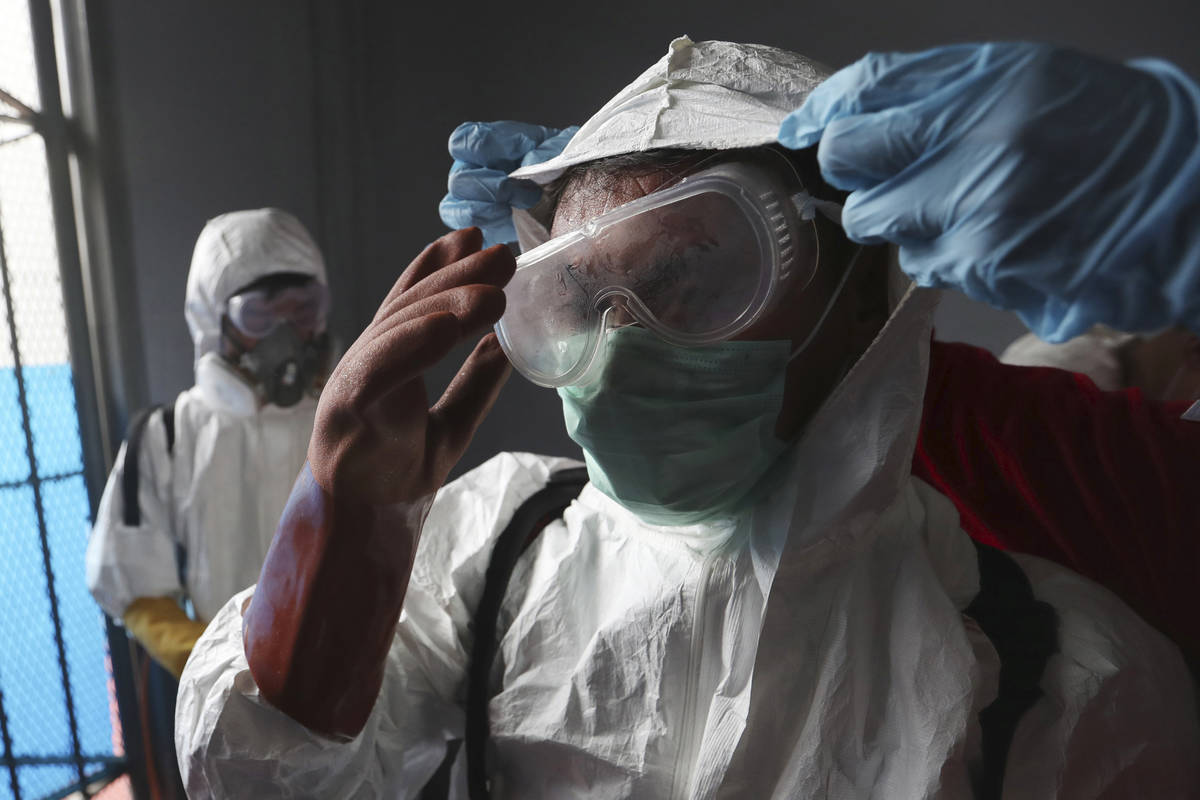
[[59, 731]]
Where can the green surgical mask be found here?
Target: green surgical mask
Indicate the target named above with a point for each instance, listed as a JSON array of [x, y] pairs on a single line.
[[680, 435]]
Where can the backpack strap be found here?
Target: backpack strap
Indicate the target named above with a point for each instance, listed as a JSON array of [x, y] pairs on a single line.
[[531, 517], [130, 480], [168, 419], [1024, 631]]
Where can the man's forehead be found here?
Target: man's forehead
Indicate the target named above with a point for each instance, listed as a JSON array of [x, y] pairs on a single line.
[[592, 193]]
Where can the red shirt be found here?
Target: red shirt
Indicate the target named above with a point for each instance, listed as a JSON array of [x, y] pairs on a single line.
[[1040, 461]]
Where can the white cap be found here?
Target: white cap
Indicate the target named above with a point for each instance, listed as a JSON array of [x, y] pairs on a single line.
[[699, 96], [233, 251]]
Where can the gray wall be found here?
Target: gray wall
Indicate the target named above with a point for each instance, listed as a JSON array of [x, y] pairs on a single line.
[[214, 109], [226, 105]]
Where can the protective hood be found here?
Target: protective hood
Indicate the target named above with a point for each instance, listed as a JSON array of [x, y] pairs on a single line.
[[699, 96], [233, 251]]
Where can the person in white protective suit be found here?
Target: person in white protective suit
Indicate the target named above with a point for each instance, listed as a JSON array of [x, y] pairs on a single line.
[[753, 597], [213, 472]]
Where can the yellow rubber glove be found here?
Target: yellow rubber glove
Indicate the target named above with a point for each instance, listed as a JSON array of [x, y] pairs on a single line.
[[162, 627]]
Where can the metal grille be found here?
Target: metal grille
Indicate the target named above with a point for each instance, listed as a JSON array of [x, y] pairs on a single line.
[[58, 727]]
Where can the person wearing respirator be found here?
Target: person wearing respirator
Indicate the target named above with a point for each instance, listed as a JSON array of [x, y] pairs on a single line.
[[214, 470]]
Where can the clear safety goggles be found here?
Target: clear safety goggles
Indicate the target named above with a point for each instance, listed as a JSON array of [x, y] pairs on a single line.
[[696, 263], [258, 312]]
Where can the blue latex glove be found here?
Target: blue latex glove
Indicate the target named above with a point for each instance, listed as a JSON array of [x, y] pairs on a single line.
[[480, 191], [1039, 180]]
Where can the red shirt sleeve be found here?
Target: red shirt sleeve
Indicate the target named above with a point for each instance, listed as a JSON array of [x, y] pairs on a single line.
[[1040, 461]]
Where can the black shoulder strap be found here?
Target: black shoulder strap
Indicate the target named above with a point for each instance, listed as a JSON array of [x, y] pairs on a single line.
[[531, 517], [168, 418], [133, 447], [1024, 631]]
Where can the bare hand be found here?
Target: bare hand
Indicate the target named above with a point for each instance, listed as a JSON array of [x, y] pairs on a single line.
[[376, 439]]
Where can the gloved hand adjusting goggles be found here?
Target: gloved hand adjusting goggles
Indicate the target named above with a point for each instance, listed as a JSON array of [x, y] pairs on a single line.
[[696, 263]]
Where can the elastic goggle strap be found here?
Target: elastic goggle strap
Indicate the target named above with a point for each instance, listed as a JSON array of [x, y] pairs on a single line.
[[837, 292], [808, 207]]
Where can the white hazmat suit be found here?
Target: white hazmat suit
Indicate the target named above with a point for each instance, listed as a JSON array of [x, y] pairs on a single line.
[[218, 496], [815, 646]]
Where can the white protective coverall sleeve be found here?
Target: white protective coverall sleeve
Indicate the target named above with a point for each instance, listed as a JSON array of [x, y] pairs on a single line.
[[1113, 680], [125, 562], [232, 744]]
